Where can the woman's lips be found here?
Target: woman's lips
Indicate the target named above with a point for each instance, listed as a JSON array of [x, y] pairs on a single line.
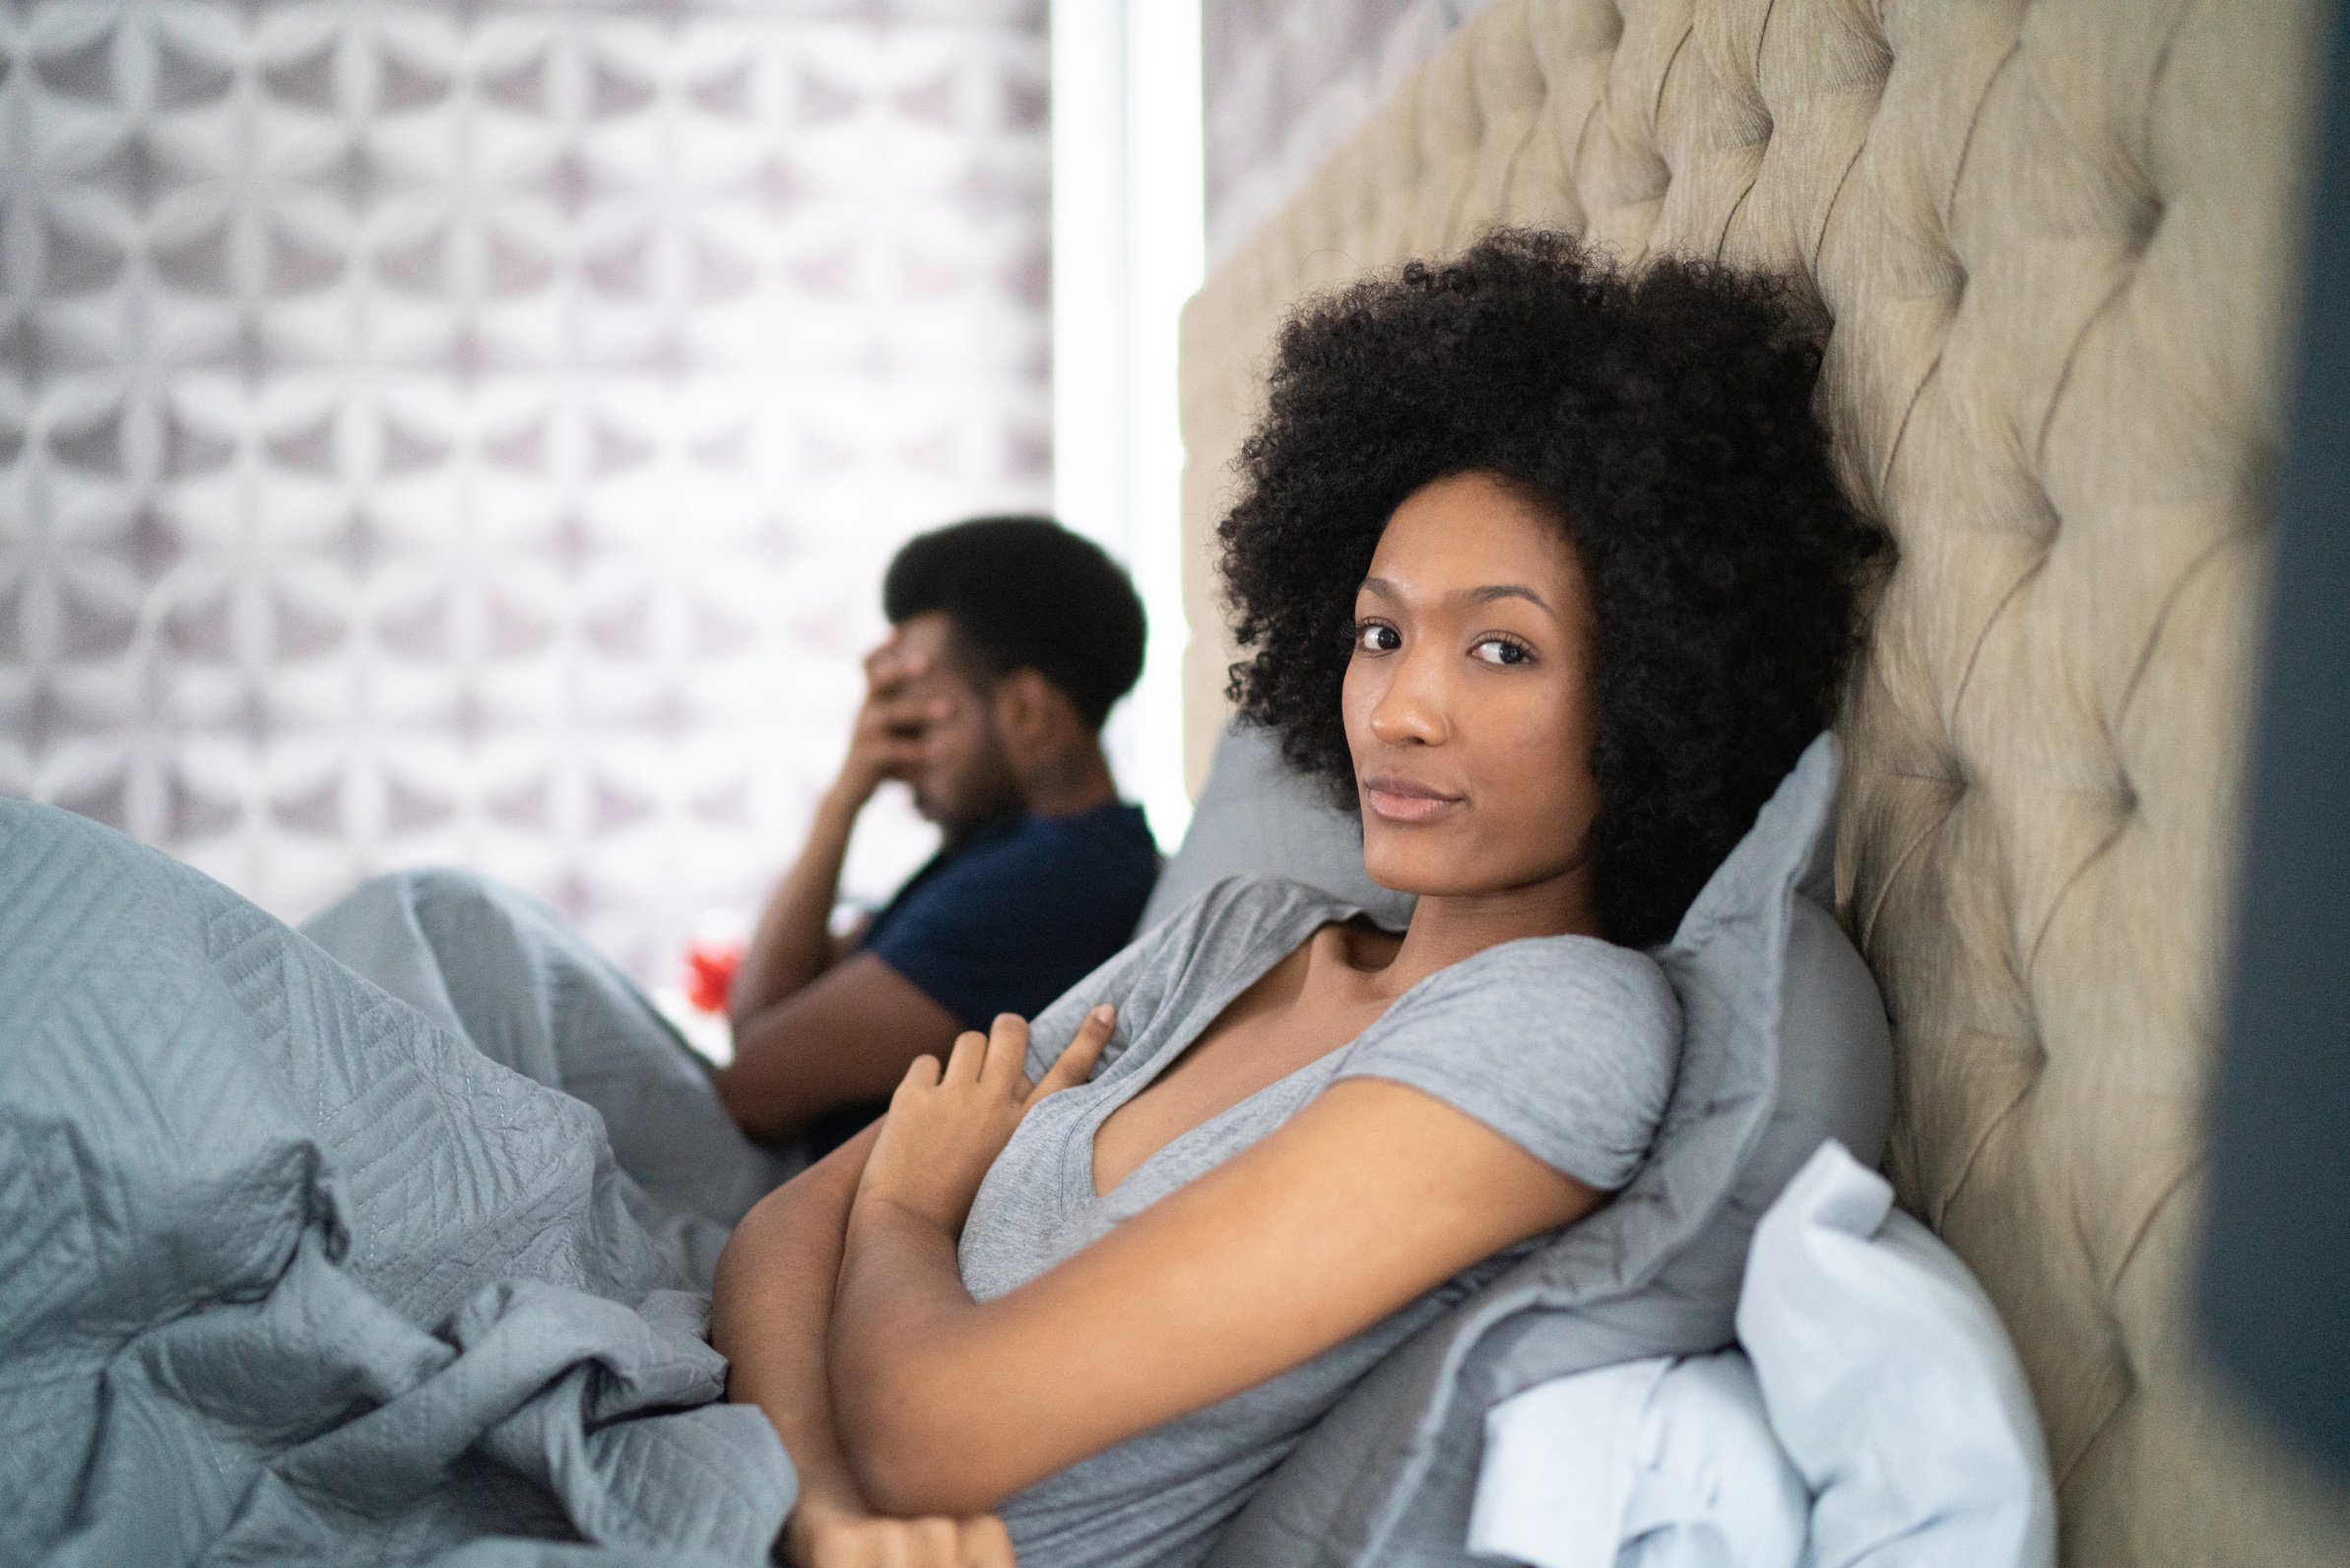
[[1401, 800]]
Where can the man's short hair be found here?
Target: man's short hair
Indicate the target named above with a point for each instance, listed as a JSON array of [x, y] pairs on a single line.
[[1027, 593]]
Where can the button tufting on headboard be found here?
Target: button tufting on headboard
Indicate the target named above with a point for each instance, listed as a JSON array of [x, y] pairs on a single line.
[[2052, 246]]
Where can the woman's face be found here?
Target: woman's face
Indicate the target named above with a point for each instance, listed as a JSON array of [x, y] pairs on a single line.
[[1468, 696]]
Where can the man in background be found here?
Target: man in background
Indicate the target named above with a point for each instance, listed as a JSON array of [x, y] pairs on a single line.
[[1011, 640]]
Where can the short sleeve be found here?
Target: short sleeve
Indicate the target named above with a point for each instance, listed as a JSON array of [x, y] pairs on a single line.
[[1566, 1046], [1010, 926]]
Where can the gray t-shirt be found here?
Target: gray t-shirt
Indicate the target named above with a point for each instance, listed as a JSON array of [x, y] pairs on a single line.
[[1566, 1045]]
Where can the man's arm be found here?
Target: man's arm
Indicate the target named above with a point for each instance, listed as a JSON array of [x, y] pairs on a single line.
[[847, 1036], [845, 943], [793, 943]]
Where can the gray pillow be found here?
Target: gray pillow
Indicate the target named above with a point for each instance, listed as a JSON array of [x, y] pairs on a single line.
[[1784, 1045], [1258, 815]]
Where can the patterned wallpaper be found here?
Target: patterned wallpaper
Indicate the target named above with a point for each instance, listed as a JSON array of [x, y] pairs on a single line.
[[473, 432], [1289, 82]]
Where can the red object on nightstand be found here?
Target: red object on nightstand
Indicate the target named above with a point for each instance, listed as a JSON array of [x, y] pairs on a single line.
[[709, 972]]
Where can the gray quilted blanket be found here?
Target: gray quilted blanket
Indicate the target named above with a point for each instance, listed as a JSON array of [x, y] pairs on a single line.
[[295, 1270]]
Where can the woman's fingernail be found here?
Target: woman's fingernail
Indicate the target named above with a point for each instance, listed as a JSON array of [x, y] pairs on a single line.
[[1104, 1014]]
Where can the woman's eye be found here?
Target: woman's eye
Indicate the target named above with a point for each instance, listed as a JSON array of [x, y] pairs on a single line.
[[1500, 650], [1373, 638]]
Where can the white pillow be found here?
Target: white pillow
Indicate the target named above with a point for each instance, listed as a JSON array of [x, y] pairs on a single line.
[[1891, 1383], [1655, 1464]]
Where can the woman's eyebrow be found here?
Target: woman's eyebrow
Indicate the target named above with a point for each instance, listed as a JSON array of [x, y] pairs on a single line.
[[1470, 596], [1509, 590], [1482, 596]]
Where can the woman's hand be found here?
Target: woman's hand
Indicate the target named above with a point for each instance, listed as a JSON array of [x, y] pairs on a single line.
[[832, 1538], [946, 1126]]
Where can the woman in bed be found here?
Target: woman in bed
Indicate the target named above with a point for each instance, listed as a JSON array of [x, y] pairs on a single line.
[[1541, 564]]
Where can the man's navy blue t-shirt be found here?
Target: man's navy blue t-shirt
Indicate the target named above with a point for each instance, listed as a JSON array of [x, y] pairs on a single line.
[[1019, 912]]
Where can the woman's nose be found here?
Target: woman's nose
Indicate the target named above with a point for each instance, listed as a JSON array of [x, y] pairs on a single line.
[[1409, 710]]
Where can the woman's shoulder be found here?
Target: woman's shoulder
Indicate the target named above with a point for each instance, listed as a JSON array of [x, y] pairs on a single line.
[[1541, 1001], [1243, 911], [1566, 1045], [1232, 923], [1585, 969]]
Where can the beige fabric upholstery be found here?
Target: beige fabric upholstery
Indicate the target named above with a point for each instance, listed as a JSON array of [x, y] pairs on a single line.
[[2056, 242]]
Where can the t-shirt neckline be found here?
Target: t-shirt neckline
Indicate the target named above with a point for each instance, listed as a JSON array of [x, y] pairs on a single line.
[[1079, 1171], [1311, 909]]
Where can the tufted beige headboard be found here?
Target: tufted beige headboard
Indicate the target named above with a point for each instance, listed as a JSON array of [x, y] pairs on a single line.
[[2056, 243]]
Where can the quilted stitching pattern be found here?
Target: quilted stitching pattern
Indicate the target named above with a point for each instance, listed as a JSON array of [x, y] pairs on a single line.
[[2054, 244], [284, 1260]]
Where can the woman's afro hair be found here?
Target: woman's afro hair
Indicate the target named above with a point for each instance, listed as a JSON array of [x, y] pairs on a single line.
[[1663, 416]]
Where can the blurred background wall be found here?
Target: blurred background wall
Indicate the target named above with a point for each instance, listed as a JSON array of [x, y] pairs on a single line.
[[472, 430]]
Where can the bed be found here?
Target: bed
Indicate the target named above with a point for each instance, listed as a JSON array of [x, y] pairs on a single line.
[[2053, 248]]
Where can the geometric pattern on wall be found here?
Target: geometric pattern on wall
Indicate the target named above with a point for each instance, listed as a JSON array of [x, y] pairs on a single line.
[[473, 432]]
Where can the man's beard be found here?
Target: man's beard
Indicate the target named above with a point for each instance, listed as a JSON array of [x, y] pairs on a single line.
[[989, 795]]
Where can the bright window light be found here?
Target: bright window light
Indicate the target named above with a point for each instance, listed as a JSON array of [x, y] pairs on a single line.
[[1128, 250]]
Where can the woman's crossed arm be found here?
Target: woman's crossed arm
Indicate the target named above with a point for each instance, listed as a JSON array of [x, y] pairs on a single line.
[[1372, 1194], [770, 1305]]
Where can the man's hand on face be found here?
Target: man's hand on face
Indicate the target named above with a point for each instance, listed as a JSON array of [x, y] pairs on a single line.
[[886, 742]]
